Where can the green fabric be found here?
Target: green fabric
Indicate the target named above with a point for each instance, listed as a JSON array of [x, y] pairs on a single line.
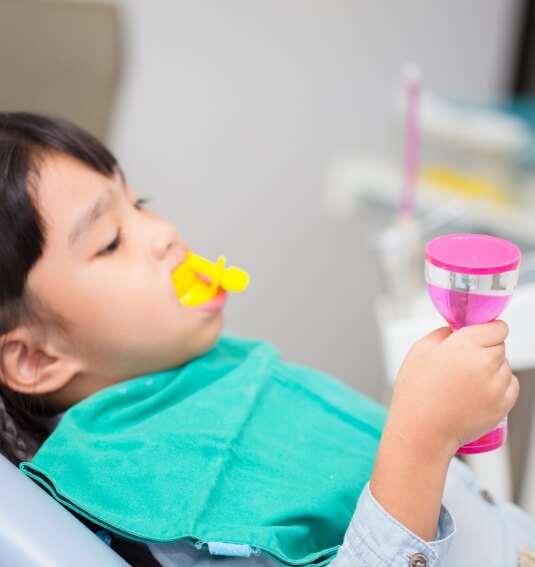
[[233, 447]]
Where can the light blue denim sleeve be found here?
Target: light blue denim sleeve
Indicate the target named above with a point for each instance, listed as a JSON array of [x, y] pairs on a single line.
[[375, 539]]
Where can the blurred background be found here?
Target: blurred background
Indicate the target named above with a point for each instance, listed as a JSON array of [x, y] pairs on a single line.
[[273, 132]]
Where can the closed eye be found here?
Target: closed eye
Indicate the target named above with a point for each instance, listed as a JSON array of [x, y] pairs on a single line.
[[112, 246], [116, 242], [140, 203]]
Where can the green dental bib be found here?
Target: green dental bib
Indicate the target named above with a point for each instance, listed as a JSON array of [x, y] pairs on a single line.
[[233, 448]]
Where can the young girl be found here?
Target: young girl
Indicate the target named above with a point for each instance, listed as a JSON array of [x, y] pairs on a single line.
[[88, 310]]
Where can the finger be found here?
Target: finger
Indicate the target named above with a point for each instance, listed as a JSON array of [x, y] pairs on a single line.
[[497, 353], [505, 371], [511, 393], [488, 334]]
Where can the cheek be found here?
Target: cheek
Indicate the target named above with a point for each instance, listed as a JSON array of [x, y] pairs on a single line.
[[118, 308], [137, 308]]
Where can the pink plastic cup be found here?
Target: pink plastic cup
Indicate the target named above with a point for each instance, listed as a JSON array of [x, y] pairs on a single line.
[[470, 279]]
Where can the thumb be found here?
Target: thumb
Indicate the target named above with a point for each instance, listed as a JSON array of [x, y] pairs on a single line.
[[436, 336]]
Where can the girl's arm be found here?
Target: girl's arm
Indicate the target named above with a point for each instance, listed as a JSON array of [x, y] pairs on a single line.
[[408, 482], [451, 389]]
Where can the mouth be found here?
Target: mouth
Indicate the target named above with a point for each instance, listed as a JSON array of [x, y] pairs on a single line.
[[202, 284], [215, 304], [196, 290]]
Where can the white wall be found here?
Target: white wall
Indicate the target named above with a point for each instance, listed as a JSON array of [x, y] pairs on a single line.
[[231, 110]]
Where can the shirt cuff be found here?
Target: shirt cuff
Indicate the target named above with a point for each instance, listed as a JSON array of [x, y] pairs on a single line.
[[374, 537]]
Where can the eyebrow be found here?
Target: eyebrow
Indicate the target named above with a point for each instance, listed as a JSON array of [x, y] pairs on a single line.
[[90, 216]]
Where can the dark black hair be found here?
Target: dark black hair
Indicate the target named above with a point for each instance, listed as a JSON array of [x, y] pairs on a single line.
[[25, 140]]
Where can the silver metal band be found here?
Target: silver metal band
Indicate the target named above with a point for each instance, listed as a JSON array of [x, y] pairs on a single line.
[[483, 284]]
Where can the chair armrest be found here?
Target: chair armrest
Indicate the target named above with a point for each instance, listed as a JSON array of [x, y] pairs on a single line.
[[36, 531]]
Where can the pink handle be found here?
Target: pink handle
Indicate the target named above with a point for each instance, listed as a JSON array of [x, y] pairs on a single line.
[[412, 139]]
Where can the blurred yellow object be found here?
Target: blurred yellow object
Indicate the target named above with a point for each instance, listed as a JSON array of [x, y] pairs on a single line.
[[466, 186], [197, 280]]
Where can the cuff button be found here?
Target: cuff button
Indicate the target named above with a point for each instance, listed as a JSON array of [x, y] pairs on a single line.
[[418, 560]]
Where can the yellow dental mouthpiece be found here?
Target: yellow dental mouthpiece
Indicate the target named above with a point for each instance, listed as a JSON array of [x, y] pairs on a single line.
[[198, 280]]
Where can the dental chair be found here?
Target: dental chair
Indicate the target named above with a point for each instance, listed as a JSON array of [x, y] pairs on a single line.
[[36, 531]]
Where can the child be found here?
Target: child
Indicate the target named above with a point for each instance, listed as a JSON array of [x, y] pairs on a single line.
[[87, 306]]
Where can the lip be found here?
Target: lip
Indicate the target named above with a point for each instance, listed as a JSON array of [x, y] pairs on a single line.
[[215, 304]]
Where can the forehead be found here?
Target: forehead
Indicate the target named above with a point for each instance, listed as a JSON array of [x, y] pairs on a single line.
[[64, 185], [71, 195]]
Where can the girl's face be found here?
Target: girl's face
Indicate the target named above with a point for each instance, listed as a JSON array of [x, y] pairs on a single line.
[[106, 271]]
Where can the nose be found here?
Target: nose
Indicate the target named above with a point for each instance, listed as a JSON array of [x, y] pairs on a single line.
[[167, 244]]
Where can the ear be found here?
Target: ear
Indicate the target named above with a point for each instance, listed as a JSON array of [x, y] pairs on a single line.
[[31, 366]]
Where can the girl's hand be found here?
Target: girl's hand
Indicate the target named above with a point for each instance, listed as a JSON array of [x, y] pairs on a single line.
[[453, 388]]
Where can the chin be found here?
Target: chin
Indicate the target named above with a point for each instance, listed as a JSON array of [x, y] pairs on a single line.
[[203, 340], [212, 335]]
